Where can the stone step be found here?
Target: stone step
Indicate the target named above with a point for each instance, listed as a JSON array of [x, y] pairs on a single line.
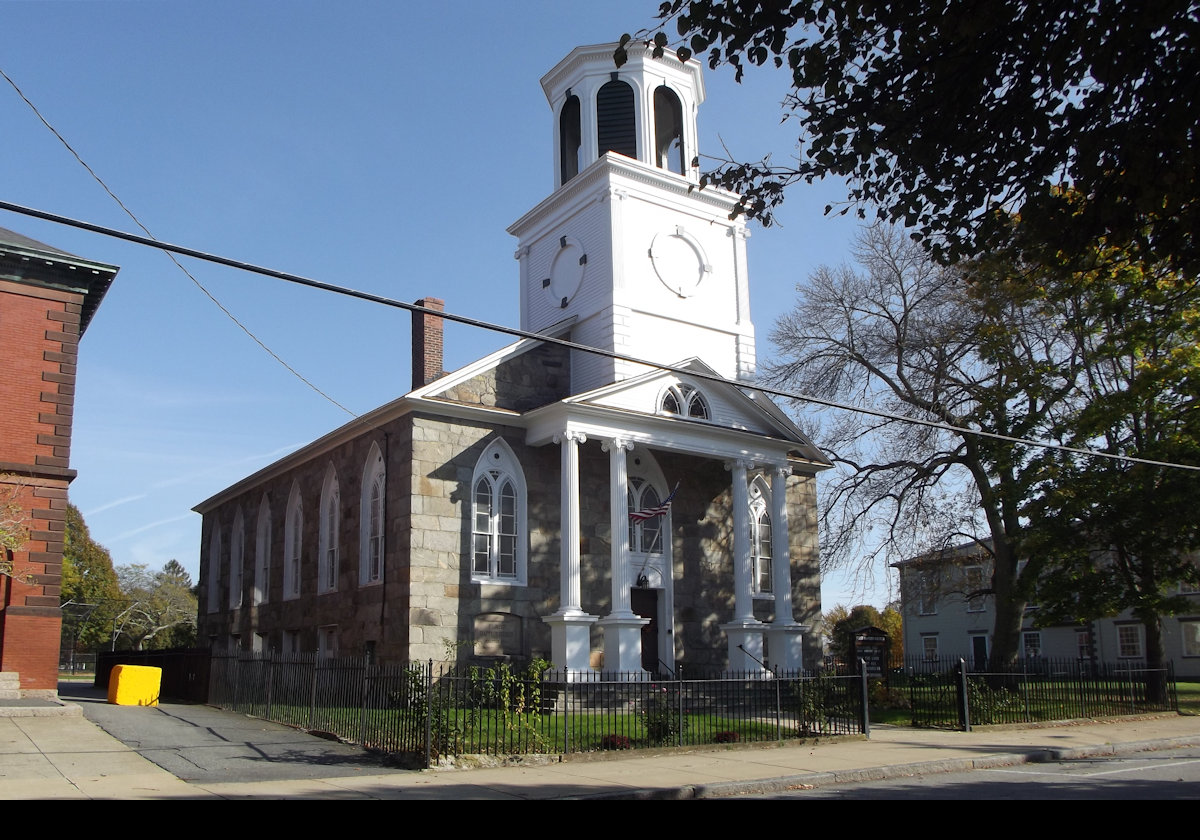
[[10, 685]]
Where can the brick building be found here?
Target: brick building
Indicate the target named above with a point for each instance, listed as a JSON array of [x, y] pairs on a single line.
[[498, 510], [47, 300]]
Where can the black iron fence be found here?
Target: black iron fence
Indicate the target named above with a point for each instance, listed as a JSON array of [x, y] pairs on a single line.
[[947, 693], [425, 712], [184, 670]]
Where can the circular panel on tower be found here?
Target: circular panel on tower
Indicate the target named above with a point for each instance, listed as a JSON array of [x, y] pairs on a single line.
[[566, 272], [679, 261]]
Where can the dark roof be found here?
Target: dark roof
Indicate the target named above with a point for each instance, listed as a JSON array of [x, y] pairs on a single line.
[[25, 260]]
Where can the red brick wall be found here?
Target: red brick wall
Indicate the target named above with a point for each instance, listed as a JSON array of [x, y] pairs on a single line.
[[40, 329]]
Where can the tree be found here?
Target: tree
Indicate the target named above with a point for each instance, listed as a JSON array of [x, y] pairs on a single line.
[[160, 606], [840, 624], [1141, 533], [91, 596], [939, 113], [14, 522]]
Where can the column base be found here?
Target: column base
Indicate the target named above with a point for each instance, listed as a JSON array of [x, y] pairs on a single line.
[[745, 647], [785, 646], [623, 645], [571, 644]]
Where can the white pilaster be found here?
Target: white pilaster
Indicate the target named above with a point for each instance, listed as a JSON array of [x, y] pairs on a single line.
[[745, 633]]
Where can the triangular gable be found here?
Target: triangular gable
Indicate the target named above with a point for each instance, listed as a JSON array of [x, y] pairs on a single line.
[[730, 406]]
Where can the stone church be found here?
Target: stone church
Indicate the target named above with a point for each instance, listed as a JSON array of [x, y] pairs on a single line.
[[547, 500]]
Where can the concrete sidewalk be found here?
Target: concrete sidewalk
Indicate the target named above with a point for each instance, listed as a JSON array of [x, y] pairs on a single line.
[[63, 755]]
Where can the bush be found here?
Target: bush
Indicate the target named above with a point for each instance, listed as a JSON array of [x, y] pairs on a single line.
[[615, 742], [663, 722], [727, 737]]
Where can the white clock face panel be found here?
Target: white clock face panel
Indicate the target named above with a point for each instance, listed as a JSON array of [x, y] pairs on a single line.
[[679, 261], [567, 269]]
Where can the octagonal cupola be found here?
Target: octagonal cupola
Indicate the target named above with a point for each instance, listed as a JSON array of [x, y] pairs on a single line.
[[645, 110]]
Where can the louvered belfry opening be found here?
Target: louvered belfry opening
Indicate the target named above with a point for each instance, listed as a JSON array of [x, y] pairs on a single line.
[[668, 130], [616, 119], [570, 138]]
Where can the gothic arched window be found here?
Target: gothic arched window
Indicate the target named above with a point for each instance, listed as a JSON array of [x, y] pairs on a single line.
[[570, 140], [293, 544], [371, 518], [262, 553], [327, 563], [237, 556], [760, 538], [498, 527]]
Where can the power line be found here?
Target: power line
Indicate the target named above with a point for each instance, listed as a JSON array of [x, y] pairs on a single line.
[[170, 256], [526, 334]]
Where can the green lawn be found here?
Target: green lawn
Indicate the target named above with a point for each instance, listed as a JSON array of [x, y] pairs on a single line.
[[1189, 698]]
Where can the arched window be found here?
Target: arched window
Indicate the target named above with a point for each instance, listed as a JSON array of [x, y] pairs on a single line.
[[214, 569], [371, 519], [616, 119], [668, 131], [262, 553], [760, 538], [498, 529], [645, 535], [327, 562], [685, 401], [237, 555], [570, 140], [293, 544]]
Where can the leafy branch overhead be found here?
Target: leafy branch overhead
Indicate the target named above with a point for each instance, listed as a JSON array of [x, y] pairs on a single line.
[[938, 114]]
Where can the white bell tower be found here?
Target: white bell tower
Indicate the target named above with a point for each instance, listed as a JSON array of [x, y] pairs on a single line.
[[628, 249]]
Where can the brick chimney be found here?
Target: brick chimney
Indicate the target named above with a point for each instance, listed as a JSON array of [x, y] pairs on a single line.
[[427, 342]]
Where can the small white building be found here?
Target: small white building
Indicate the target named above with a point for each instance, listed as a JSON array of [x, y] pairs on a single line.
[[946, 616]]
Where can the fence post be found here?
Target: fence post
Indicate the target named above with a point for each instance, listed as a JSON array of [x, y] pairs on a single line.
[[964, 704], [428, 713], [778, 708], [679, 710], [866, 698], [362, 706], [270, 679]]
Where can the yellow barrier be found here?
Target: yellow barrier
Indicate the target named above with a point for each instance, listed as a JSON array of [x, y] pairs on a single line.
[[134, 685]]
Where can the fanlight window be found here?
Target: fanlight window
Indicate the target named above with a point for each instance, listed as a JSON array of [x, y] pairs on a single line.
[[685, 401]]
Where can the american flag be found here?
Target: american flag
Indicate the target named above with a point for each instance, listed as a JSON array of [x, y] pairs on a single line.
[[659, 510]]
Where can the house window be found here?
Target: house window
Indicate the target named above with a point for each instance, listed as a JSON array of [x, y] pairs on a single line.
[[1031, 643], [235, 644], [760, 538], [293, 545], [684, 401], [260, 644], [214, 569], [668, 130], [929, 648], [237, 548], [331, 497], [327, 641], [498, 517], [1190, 632], [974, 584], [926, 594], [1129, 641], [291, 642], [262, 553], [1083, 644], [370, 560]]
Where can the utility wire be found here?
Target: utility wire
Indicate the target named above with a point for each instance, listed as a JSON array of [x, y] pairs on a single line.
[[170, 256], [526, 334]]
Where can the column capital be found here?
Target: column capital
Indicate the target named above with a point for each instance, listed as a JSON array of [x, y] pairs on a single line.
[[613, 444], [739, 463], [781, 469], [570, 435]]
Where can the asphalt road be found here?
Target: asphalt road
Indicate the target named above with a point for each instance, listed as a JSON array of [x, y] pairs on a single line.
[[206, 745], [1157, 775]]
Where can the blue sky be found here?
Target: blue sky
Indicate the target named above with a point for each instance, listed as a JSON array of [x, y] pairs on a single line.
[[383, 146]]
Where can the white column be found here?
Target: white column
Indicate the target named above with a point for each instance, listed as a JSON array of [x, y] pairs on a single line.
[[742, 571], [781, 566], [622, 627], [745, 633], [570, 626], [785, 638], [569, 594]]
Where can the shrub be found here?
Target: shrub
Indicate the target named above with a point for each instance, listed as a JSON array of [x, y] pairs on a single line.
[[727, 737], [663, 722], [615, 742]]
